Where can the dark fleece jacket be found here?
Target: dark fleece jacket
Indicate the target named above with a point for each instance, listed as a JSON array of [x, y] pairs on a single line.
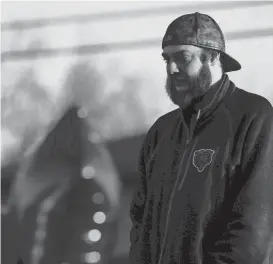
[[205, 192]]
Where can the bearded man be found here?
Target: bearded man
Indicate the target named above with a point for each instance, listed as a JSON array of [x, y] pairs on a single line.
[[205, 193]]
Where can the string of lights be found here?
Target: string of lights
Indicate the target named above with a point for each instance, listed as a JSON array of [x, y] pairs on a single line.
[[93, 235]]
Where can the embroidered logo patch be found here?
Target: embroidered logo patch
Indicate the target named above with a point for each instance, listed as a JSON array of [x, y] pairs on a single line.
[[202, 158]]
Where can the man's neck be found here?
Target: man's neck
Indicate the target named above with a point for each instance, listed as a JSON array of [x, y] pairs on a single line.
[[188, 111], [216, 83], [216, 75]]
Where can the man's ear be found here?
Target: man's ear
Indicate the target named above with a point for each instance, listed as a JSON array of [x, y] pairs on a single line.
[[216, 60]]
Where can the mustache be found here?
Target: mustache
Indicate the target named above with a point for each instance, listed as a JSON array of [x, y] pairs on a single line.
[[178, 76]]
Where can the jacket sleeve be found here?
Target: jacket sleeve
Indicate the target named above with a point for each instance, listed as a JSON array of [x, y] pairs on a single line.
[[137, 208], [247, 238]]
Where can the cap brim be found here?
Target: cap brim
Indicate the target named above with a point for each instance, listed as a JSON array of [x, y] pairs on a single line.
[[229, 64]]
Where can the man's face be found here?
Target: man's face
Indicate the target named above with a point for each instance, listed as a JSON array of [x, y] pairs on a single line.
[[188, 78]]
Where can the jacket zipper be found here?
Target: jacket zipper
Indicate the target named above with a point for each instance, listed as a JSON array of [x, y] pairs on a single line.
[[189, 136], [186, 170], [169, 208]]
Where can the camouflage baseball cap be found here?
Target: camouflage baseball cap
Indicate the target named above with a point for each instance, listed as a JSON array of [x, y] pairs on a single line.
[[202, 31]]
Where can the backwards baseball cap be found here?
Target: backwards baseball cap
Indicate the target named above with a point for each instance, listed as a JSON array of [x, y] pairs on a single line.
[[202, 31]]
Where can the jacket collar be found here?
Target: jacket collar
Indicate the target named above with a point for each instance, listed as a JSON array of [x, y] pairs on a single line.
[[212, 98]]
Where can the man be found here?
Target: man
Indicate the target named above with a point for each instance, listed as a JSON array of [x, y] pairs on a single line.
[[205, 194]]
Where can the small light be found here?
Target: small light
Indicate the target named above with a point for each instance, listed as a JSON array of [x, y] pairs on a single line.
[[99, 217], [94, 235], [88, 172], [82, 112], [4, 209], [48, 204], [98, 198], [92, 257], [37, 251], [40, 234], [94, 137]]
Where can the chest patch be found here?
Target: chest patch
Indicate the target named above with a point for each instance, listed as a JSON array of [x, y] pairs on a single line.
[[202, 158]]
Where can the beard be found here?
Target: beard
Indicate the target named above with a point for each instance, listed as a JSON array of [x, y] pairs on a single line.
[[197, 87]]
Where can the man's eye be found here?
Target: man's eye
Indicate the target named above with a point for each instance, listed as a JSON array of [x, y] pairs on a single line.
[[182, 57]]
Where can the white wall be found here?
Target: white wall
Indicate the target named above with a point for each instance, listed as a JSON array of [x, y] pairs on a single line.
[[255, 54]]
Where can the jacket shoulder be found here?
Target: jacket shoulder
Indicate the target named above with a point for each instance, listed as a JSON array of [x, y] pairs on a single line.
[[156, 131], [164, 120], [251, 103]]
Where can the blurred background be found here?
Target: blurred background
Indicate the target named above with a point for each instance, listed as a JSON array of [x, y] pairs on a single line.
[[82, 82]]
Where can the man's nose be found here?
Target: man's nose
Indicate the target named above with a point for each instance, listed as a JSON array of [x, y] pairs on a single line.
[[172, 67]]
